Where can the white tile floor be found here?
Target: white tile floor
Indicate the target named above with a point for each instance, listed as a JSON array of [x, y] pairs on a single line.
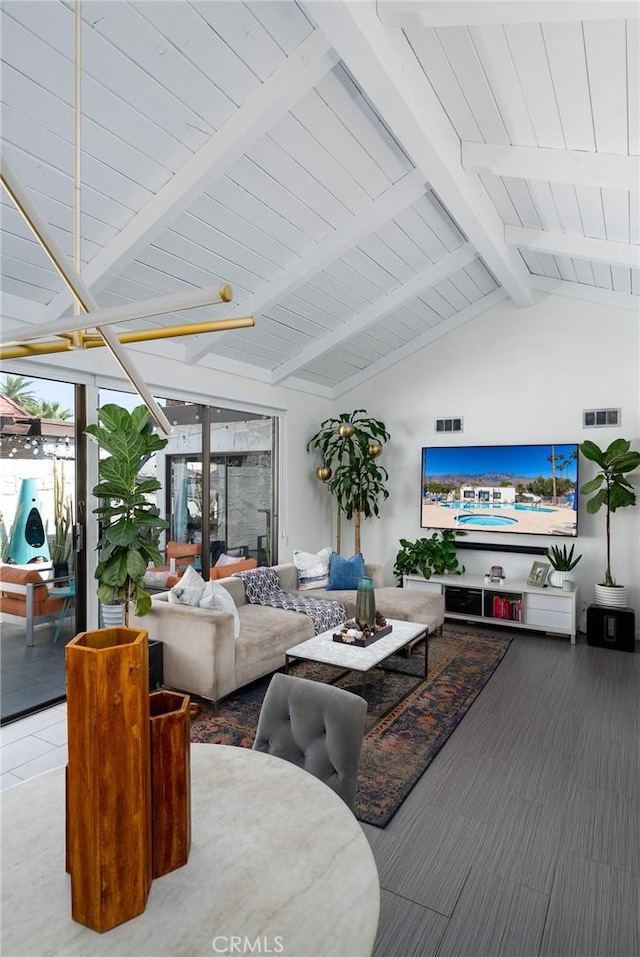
[[33, 745]]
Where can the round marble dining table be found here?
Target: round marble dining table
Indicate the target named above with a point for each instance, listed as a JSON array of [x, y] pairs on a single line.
[[278, 865]]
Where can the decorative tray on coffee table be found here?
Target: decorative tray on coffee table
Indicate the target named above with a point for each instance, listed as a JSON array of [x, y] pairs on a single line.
[[359, 639]]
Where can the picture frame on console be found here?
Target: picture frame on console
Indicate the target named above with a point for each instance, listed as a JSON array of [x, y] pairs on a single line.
[[538, 574]]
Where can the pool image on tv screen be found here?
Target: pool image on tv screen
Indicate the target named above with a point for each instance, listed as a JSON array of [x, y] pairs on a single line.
[[528, 489]]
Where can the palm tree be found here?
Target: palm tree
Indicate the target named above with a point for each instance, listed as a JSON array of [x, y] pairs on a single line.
[[52, 410], [18, 388]]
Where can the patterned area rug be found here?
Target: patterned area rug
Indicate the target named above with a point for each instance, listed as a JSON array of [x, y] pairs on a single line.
[[409, 719]]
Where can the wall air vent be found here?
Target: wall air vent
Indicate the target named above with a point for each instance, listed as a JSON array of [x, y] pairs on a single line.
[[450, 424], [601, 418]]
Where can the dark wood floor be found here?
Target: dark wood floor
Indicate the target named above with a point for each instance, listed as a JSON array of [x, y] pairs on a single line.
[[523, 836]]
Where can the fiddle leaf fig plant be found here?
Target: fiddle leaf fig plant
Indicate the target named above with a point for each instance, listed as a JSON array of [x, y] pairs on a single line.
[[435, 555], [129, 522], [611, 485], [349, 446]]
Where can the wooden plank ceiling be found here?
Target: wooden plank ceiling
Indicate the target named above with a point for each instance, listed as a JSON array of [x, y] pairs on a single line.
[[368, 177]]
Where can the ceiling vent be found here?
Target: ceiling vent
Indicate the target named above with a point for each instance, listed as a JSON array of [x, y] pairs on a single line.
[[599, 418], [450, 425]]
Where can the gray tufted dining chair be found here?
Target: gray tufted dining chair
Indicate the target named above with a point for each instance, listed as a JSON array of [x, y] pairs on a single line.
[[316, 726]]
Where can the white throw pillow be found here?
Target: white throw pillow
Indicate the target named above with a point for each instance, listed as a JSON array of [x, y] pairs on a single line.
[[227, 560], [218, 598], [313, 570], [188, 591]]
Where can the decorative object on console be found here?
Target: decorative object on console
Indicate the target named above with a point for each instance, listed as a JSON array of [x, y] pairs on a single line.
[[538, 574], [130, 524], [614, 491], [349, 446], [365, 603], [496, 575], [345, 573], [435, 555], [562, 562]]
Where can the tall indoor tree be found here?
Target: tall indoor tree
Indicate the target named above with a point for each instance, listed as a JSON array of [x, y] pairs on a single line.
[[349, 446], [129, 522]]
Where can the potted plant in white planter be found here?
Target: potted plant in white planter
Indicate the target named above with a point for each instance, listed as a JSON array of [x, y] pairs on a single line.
[[129, 522], [562, 562], [614, 491]]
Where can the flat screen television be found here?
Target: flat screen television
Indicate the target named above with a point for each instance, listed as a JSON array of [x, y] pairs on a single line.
[[526, 489]]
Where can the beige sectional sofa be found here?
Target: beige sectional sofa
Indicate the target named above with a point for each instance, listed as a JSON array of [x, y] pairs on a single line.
[[202, 657]]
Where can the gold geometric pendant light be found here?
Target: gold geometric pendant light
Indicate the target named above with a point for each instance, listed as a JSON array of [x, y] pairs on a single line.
[[71, 332]]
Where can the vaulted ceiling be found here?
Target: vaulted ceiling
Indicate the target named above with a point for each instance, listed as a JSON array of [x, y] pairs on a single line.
[[368, 176]]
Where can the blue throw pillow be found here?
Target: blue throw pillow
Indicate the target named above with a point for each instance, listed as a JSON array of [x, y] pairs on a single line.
[[345, 572]]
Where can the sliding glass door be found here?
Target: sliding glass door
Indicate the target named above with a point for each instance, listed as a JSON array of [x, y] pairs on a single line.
[[41, 503]]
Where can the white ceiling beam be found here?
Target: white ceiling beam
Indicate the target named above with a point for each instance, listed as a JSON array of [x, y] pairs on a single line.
[[576, 290], [409, 189], [443, 328], [412, 14], [605, 170], [312, 60], [556, 243], [223, 364], [19, 308], [309, 387], [386, 68], [378, 310]]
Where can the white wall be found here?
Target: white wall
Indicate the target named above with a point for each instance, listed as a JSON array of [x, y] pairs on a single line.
[[517, 376]]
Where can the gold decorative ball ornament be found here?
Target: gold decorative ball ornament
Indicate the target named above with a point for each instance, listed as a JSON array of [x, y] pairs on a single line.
[[323, 473], [346, 431], [374, 450], [226, 292]]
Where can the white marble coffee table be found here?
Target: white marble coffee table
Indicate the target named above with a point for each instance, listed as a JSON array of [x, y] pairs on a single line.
[[277, 860], [323, 649]]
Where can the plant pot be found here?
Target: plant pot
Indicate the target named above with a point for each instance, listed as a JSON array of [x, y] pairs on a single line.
[[558, 578], [616, 596], [112, 615]]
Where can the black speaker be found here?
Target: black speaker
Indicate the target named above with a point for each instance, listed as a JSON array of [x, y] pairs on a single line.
[[609, 627], [156, 677]]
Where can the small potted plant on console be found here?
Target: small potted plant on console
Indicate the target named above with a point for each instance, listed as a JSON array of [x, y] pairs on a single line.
[[435, 555], [563, 562]]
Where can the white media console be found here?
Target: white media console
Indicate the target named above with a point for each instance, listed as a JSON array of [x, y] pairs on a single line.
[[512, 603]]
